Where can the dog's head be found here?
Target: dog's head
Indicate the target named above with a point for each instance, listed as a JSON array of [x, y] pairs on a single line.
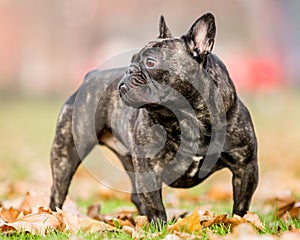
[[168, 67]]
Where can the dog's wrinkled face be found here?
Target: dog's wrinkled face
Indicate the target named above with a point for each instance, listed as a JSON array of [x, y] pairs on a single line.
[[154, 70], [166, 67]]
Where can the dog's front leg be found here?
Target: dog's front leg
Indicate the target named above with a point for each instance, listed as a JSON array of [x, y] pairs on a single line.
[[244, 182], [148, 186]]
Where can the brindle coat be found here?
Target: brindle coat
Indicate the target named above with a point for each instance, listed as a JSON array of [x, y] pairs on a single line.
[[176, 115]]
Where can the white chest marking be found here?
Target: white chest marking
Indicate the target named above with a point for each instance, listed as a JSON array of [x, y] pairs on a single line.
[[197, 158], [196, 161]]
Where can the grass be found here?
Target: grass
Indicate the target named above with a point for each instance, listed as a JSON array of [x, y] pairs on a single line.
[[270, 226]]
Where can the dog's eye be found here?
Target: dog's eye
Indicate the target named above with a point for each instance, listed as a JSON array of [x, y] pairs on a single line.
[[150, 62]]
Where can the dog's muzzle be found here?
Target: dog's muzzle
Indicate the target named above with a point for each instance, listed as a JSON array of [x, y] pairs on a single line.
[[133, 79]]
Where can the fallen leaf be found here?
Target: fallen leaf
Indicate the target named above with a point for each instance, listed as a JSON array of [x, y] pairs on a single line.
[[141, 222], [32, 201], [189, 224], [125, 222], [41, 209], [206, 215], [71, 221], [254, 219], [291, 235], [287, 207], [38, 223], [128, 230], [217, 220], [9, 215], [91, 225], [295, 211], [235, 220], [245, 231], [283, 207], [70, 207], [7, 229]]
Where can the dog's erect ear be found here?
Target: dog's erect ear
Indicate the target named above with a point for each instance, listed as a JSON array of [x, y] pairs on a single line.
[[201, 36], [164, 31]]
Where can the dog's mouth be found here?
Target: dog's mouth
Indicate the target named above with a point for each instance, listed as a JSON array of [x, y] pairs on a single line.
[[135, 91], [130, 96]]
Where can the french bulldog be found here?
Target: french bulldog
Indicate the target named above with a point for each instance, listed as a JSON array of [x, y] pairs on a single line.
[[174, 117]]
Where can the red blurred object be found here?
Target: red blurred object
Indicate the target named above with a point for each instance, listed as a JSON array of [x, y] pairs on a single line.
[[255, 73]]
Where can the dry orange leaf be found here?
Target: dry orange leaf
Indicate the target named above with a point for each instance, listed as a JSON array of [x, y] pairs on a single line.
[[32, 201], [71, 221], [9, 215], [128, 230], [254, 219], [245, 231], [291, 235], [141, 221], [74, 223], [91, 225], [38, 223], [286, 206], [235, 220], [295, 211], [217, 220], [292, 208], [189, 224], [7, 229]]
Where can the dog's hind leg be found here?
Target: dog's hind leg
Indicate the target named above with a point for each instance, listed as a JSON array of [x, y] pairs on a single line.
[[64, 156]]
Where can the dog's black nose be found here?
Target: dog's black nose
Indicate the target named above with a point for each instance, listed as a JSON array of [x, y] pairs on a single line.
[[130, 70], [133, 68], [123, 88]]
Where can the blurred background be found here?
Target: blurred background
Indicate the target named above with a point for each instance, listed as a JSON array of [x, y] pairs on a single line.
[[46, 48]]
